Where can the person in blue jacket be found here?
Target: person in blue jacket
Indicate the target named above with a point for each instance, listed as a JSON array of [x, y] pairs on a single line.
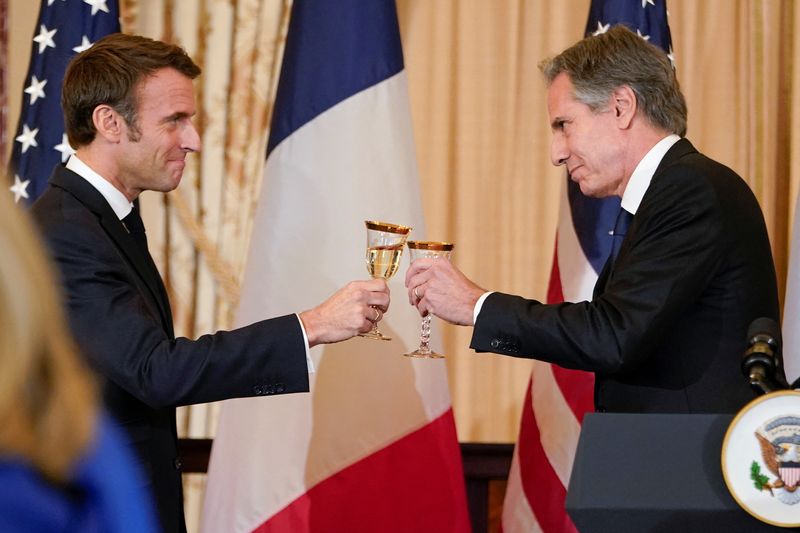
[[64, 467]]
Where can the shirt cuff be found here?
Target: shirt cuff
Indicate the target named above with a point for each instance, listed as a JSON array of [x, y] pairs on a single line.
[[309, 362], [478, 306]]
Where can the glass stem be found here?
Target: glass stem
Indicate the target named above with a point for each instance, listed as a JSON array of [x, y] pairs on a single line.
[[425, 335], [375, 330]]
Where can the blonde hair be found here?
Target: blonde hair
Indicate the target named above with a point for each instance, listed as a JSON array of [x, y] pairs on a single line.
[[48, 401]]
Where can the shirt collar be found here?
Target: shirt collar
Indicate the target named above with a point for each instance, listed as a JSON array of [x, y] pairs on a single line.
[[118, 202], [640, 179]]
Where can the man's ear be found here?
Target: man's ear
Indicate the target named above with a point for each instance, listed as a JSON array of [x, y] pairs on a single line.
[[624, 105], [109, 124]]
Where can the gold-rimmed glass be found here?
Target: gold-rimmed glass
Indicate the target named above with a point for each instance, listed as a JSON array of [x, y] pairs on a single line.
[[385, 243], [427, 250]]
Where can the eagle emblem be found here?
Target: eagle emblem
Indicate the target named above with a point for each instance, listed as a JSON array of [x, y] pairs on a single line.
[[779, 440]]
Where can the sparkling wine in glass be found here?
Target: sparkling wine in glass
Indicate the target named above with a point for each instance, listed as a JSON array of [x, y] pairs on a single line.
[[385, 243], [427, 250]]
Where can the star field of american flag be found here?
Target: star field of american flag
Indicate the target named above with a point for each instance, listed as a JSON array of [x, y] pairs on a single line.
[[64, 28]]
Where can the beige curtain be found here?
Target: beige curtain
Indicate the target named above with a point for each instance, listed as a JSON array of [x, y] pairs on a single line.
[[482, 140]]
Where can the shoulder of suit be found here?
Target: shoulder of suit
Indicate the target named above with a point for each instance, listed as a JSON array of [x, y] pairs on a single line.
[[65, 222]]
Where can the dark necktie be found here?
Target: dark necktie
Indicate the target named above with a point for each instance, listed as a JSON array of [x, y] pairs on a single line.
[[135, 226], [618, 234], [133, 223]]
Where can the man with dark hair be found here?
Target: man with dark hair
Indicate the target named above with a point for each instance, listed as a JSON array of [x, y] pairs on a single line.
[[110, 75], [129, 103], [665, 330]]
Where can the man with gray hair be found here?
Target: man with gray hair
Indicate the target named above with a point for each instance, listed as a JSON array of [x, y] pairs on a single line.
[[690, 266]]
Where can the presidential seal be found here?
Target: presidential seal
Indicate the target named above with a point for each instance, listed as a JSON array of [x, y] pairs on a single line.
[[780, 452], [761, 458]]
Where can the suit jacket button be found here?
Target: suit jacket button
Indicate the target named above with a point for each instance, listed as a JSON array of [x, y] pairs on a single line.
[[495, 343], [177, 463]]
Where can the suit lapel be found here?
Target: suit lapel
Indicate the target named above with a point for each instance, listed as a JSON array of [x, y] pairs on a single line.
[[678, 150], [158, 283], [140, 261]]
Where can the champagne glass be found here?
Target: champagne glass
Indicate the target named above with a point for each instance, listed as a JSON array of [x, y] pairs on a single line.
[[427, 250], [385, 243]]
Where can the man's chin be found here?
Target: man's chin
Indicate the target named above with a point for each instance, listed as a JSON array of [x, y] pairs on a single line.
[[587, 190], [176, 180], [169, 184], [593, 192]]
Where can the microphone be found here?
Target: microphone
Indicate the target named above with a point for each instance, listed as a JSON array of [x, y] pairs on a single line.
[[761, 362]]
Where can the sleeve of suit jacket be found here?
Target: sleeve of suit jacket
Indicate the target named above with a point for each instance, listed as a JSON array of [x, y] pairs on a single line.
[[127, 343], [689, 240]]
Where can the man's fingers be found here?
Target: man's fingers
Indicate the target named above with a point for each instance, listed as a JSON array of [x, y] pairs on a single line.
[[374, 315], [372, 285], [417, 283], [417, 268], [414, 294], [378, 299]]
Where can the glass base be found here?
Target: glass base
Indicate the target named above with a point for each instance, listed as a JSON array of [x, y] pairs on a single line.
[[424, 354], [374, 334]]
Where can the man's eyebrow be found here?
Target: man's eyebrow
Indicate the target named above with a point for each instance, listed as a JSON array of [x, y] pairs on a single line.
[[176, 115]]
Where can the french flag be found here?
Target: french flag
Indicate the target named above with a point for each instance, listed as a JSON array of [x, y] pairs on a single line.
[[373, 447]]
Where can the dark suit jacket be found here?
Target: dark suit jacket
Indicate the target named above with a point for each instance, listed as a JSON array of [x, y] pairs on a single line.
[[666, 328], [120, 315]]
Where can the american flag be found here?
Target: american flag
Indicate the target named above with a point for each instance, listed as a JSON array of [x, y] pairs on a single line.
[[557, 399], [62, 30]]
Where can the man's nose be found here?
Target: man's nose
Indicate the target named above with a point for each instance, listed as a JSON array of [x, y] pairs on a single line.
[[558, 150], [191, 139]]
